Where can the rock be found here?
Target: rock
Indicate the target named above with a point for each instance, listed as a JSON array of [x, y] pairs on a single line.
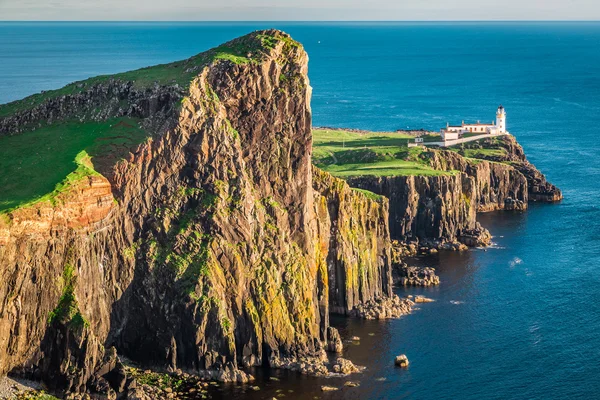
[[334, 340], [138, 393], [383, 308], [423, 299], [351, 384], [401, 361], [328, 388], [355, 338], [308, 365], [221, 180], [345, 367], [476, 237], [352, 214], [419, 205], [416, 276]]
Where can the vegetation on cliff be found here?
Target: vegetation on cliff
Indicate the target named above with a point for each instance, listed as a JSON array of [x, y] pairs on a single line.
[[355, 153], [247, 49], [41, 160], [186, 222], [40, 164]]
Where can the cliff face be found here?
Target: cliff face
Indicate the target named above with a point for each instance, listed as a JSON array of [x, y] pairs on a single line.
[[440, 209], [359, 257], [206, 247], [425, 207], [511, 152]]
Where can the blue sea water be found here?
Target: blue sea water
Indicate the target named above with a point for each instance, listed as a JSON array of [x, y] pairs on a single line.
[[518, 321]]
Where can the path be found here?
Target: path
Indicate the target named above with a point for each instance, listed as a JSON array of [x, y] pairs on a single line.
[[448, 143]]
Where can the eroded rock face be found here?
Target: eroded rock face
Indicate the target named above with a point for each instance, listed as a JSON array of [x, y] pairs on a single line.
[[359, 253], [416, 276], [209, 247], [425, 208], [441, 210], [540, 190]]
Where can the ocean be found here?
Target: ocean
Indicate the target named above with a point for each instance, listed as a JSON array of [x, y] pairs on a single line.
[[520, 320]]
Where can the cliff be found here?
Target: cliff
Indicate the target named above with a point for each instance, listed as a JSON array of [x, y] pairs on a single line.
[[439, 210], [359, 257], [507, 150], [191, 233]]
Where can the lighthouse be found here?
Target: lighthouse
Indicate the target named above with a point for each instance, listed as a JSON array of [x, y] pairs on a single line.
[[501, 120]]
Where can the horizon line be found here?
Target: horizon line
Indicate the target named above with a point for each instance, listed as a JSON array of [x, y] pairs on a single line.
[[315, 21]]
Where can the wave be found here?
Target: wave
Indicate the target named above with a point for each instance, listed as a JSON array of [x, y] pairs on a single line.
[[515, 261]]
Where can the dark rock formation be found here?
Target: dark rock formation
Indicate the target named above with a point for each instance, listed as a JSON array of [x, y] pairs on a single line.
[[359, 256], [425, 208], [415, 276], [441, 210], [97, 101], [208, 248], [539, 188], [334, 340]]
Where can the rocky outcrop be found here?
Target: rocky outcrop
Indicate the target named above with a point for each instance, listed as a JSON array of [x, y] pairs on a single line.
[[496, 186], [208, 248], [436, 208], [383, 308], [95, 101], [416, 276], [359, 251], [511, 152], [334, 340], [442, 210]]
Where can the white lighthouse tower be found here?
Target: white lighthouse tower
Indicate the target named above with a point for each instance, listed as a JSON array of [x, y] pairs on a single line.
[[501, 120]]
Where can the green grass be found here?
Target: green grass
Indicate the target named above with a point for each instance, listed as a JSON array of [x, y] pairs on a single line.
[[39, 165], [345, 154], [482, 153], [67, 310], [246, 49], [368, 194]]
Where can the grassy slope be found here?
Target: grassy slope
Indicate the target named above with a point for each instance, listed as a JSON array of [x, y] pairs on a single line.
[[345, 153], [38, 165], [470, 149]]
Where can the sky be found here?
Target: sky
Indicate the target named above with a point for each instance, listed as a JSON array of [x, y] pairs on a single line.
[[299, 10]]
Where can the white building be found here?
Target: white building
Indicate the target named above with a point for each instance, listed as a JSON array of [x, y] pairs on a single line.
[[495, 128]]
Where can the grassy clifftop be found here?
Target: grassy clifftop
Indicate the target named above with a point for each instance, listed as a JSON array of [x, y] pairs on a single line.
[[351, 153], [251, 48], [57, 128], [40, 164]]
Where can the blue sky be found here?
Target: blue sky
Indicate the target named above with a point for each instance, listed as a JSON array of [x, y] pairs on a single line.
[[304, 10]]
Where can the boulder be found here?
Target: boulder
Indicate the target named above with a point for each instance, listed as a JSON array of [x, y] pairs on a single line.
[[401, 361]]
